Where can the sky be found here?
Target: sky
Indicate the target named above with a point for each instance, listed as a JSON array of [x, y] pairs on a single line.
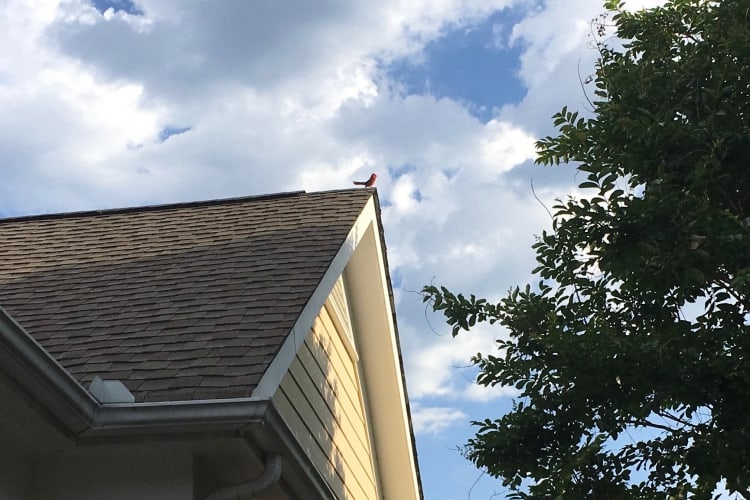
[[117, 103]]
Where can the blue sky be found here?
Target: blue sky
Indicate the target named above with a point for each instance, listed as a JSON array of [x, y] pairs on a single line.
[[118, 103], [473, 65]]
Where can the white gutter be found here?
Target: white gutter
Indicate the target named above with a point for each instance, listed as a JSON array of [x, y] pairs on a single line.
[[86, 420], [46, 381]]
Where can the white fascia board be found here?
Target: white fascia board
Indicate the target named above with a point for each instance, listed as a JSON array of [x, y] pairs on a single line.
[[276, 370], [362, 255], [382, 370]]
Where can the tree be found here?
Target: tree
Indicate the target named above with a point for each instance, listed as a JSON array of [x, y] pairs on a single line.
[[633, 350]]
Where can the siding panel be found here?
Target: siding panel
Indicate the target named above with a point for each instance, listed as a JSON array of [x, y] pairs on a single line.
[[320, 399]]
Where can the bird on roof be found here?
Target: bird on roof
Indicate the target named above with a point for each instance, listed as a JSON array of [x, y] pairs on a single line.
[[369, 182]]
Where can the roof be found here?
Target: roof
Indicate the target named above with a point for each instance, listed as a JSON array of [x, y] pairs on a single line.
[[179, 302]]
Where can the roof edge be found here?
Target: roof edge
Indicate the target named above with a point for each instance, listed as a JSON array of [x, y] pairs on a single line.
[[68, 403], [87, 421], [154, 208], [171, 206], [372, 302], [42, 377], [274, 374], [392, 300], [367, 226], [178, 417], [255, 420]]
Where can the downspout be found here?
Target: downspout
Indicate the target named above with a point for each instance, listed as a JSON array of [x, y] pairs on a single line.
[[250, 489]]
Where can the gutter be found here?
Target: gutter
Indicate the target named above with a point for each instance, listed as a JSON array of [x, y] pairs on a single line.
[[225, 416], [80, 416], [47, 382], [43, 377]]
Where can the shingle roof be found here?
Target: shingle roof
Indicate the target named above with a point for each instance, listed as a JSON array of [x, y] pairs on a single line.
[[180, 302]]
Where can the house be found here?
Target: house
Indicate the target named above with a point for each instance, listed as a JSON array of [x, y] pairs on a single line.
[[239, 348]]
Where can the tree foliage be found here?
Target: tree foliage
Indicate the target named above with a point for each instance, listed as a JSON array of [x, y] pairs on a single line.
[[633, 350]]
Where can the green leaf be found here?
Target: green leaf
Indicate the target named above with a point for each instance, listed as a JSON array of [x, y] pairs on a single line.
[[632, 350]]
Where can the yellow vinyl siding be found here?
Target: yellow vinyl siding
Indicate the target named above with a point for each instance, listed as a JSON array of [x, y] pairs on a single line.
[[320, 400], [339, 310]]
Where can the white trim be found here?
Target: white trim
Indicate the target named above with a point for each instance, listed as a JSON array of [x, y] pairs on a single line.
[[276, 370], [382, 373]]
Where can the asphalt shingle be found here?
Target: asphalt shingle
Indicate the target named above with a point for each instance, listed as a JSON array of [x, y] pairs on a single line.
[[179, 302]]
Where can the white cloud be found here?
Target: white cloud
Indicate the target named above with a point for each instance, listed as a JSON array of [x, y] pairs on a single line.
[[282, 96], [435, 419], [504, 146], [546, 45], [558, 52], [441, 366], [189, 45], [267, 111]]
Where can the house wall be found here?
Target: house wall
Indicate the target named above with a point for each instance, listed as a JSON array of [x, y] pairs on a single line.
[[147, 470], [320, 399], [114, 474], [15, 474]]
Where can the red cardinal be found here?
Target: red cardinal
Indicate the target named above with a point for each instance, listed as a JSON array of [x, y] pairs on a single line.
[[369, 182]]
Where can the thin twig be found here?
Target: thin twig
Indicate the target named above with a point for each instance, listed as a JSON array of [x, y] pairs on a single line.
[[481, 474], [583, 88], [533, 192]]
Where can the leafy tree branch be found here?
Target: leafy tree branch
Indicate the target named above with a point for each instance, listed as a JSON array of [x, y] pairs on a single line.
[[632, 352]]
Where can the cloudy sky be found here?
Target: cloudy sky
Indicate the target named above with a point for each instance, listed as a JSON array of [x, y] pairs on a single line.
[[112, 103]]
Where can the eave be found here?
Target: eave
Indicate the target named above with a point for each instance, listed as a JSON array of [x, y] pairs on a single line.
[[83, 421], [362, 259]]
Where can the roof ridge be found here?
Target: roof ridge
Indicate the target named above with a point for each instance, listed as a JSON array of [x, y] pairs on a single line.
[[171, 206], [153, 208]]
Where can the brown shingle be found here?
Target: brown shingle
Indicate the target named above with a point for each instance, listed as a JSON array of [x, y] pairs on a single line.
[[137, 294]]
